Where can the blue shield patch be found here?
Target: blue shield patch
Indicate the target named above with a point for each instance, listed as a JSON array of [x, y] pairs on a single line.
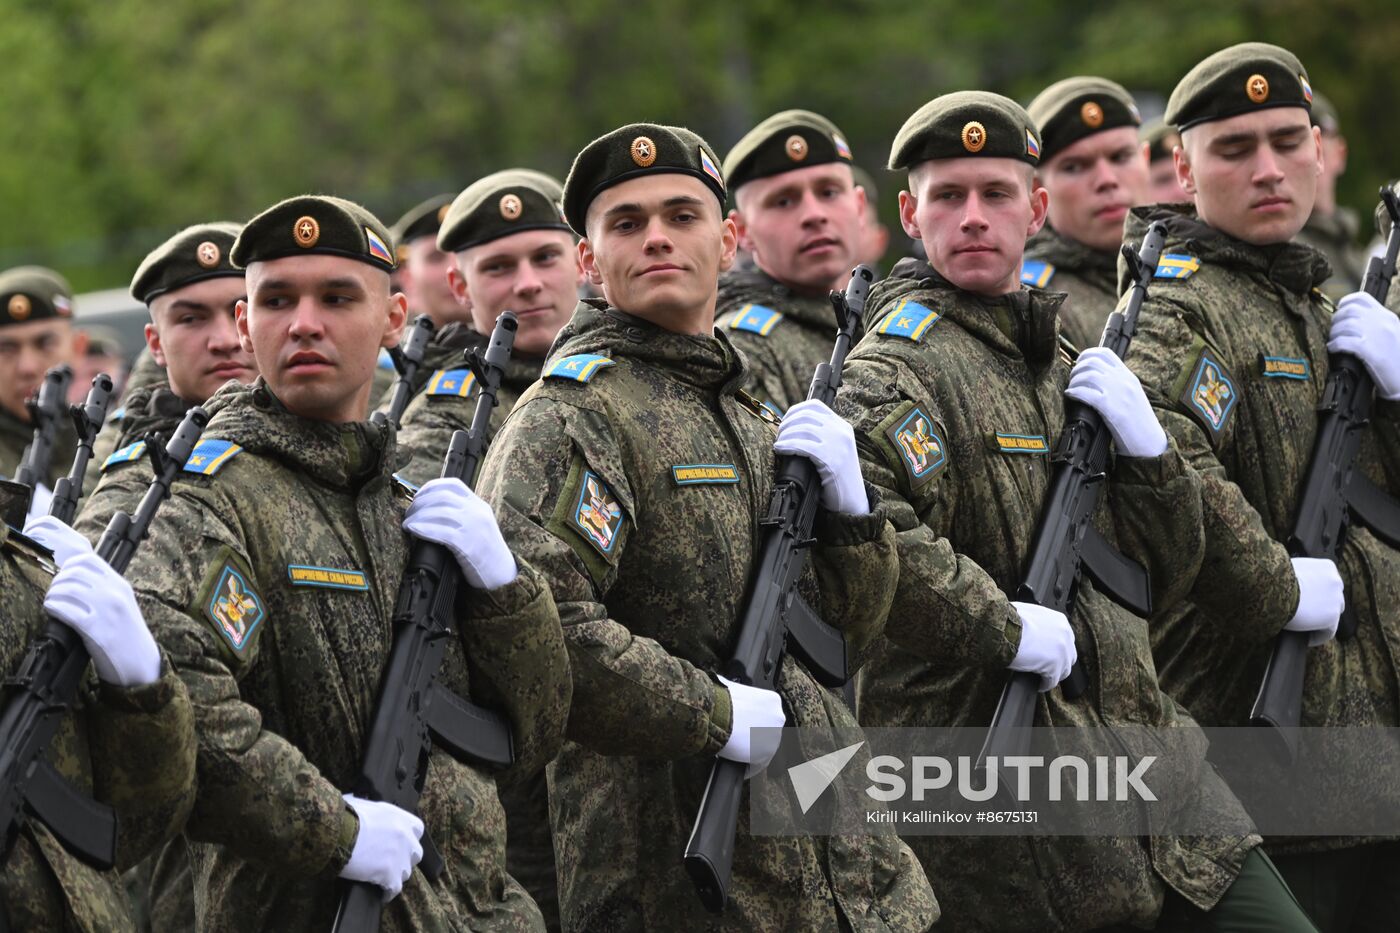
[[920, 449], [1210, 394], [597, 514], [234, 607]]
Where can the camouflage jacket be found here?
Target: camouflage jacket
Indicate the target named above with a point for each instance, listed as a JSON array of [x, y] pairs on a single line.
[[16, 435], [132, 749], [1233, 354], [634, 483], [783, 335], [1088, 277], [1334, 236], [144, 372], [448, 398], [271, 576], [956, 402], [151, 410]]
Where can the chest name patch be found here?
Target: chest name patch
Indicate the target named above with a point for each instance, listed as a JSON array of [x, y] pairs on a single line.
[[1021, 443], [329, 577], [1283, 367], [597, 513], [703, 474]]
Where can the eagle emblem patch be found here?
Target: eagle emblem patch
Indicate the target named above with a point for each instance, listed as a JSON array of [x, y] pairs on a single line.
[[920, 449], [597, 514], [1210, 394], [234, 607]]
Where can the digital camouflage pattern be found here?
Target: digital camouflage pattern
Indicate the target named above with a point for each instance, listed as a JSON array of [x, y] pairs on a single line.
[[1255, 310], [16, 435], [927, 414], [649, 577], [284, 677], [1334, 236], [131, 748], [783, 358], [1088, 277], [144, 372]]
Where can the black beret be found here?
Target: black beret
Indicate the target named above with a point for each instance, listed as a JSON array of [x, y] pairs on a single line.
[[1069, 110], [314, 223], [963, 124], [1324, 115], [500, 204], [421, 220], [33, 293], [783, 142], [192, 255], [633, 151], [1241, 79], [1161, 139]]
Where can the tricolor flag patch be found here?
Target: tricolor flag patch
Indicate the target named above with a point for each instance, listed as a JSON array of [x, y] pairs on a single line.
[[1032, 147], [1307, 88], [842, 148], [708, 166], [377, 248]]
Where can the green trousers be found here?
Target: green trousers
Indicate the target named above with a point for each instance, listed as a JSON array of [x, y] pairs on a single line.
[[1348, 890], [1258, 902]]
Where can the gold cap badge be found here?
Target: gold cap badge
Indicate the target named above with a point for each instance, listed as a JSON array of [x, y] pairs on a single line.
[[20, 307], [1092, 115], [306, 231], [974, 136], [1257, 87], [511, 207], [207, 254], [643, 151], [796, 148]]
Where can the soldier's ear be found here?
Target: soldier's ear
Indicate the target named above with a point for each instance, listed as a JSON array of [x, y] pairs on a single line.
[[729, 238], [908, 204], [1040, 209], [741, 230], [153, 344], [393, 324], [458, 284], [1184, 176], [240, 320], [589, 262]]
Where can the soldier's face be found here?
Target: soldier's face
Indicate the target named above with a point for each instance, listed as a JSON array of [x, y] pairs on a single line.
[[1253, 176], [1093, 183], [803, 227], [314, 325], [194, 335], [27, 351], [535, 274], [974, 217], [425, 282], [656, 245], [1163, 185]]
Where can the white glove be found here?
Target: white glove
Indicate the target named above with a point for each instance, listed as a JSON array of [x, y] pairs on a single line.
[[754, 708], [812, 430], [39, 502], [1364, 328], [1102, 381], [1047, 644], [387, 846], [93, 600], [445, 511], [1321, 599]]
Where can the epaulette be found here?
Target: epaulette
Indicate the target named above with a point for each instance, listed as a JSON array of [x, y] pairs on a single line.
[[128, 453], [909, 320], [1036, 273], [458, 382], [1176, 266], [581, 367], [210, 456], [756, 319]]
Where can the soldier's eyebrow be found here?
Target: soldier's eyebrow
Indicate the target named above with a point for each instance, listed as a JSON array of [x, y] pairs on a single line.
[[342, 285], [1234, 139], [185, 304]]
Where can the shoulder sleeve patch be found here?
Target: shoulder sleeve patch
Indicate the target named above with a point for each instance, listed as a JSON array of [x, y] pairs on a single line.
[[210, 456], [909, 320], [128, 453], [1176, 266], [1036, 273], [916, 443], [1208, 394], [591, 517], [228, 601], [756, 319], [458, 382], [580, 367]]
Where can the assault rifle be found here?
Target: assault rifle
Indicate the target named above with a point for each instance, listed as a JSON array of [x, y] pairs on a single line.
[[45, 411], [1066, 543], [414, 711], [44, 687], [87, 419], [408, 359], [1335, 492], [775, 619]]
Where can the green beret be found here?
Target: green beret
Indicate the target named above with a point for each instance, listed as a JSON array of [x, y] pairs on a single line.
[[633, 151], [33, 293], [785, 141], [423, 220], [314, 223], [1324, 115], [1161, 139], [500, 204], [1069, 110], [1241, 79], [192, 255], [963, 124]]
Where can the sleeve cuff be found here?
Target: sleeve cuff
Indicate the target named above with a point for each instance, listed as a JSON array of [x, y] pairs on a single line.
[[839, 529], [344, 843], [721, 721], [1150, 471], [147, 698], [511, 599]]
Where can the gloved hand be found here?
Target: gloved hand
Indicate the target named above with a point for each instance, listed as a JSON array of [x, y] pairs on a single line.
[[1047, 644], [1364, 328], [387, 846], [1321, 599], [812, 430], [1102, 381], [93, 600], [39, 502], [754, 708], [445, 511]]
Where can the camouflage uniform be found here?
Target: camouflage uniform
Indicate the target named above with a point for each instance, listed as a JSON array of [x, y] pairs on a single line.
[[16, 435], [284, 677], [144, 372], [1250, 319], [783, 335], [1334, 236], [152, 409], [1088, 277], [956, 401], [650, 576], [130, 748]]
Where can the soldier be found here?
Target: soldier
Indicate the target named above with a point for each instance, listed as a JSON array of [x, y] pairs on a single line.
[[956, 394], [1233, 348], [270, 577], [424, 265], [509, 249], [593, 477], [1163, 187], [1094, 169], [875, 236], [128, 742], [799, 211], [36, 334], [1332, 229]]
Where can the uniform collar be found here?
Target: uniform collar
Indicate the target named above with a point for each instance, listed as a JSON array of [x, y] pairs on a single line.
[[754, 286], [1095, 265]]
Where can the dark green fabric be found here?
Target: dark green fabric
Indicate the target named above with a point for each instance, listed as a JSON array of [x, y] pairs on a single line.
[[943, 129], [33, 293], [1219, 86], [1354, 889], [192, 255], [332, 225], [1069, 110], [499, 205], [785, 141]]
